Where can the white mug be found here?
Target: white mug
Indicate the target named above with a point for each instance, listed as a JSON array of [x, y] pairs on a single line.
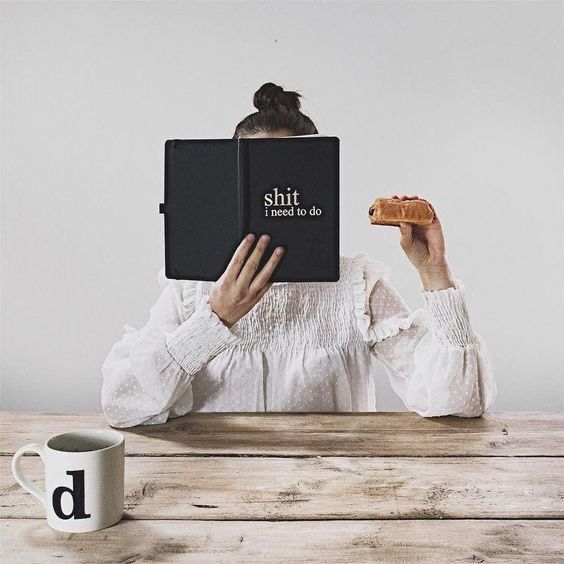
[[84, 472]]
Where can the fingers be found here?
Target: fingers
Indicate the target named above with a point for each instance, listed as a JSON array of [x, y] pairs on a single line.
[[406, 240], [246, 275], [241, 270], [262, 278], [263, 291], [238, 259]]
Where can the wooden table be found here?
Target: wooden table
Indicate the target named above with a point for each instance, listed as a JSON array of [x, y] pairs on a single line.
[[293, 487]]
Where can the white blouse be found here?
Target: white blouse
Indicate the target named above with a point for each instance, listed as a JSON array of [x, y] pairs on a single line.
[[305, 346]]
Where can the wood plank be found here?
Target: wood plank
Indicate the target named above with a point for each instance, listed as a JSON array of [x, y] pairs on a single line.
[[322, 488], [289, 541], [320, 434]]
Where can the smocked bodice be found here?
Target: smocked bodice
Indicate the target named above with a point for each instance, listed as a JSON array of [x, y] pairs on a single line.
[[300, 315]]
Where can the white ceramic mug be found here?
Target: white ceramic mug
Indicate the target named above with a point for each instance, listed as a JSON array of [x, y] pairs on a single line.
[[84, 472]]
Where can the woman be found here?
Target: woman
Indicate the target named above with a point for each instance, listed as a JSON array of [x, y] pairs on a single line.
[[246, 344]]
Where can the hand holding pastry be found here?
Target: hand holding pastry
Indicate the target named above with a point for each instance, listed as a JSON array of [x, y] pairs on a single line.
[[422, 237]]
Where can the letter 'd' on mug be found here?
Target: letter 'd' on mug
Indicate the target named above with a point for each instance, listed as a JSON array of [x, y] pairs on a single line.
[[84, 473]]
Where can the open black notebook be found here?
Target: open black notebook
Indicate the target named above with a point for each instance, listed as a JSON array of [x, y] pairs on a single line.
[[219, 190]]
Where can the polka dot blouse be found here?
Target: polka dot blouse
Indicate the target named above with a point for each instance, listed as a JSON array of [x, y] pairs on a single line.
[[305, 346]]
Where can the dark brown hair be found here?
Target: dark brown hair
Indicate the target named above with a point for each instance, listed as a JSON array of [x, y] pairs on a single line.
[[277, 109]]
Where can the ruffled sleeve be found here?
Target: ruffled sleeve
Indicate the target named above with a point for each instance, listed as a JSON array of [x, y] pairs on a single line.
[[436, 362], [147, 373]]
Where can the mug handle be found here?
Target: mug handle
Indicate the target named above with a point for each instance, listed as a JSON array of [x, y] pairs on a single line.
[[17, 471]]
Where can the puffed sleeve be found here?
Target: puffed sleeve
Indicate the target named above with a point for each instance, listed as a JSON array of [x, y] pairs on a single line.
[[436, 362], [147, 374]]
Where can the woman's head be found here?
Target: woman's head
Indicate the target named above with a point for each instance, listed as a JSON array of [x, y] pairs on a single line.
[[278, 115]]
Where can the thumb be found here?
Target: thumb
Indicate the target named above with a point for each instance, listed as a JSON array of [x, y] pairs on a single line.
[[406, 236]]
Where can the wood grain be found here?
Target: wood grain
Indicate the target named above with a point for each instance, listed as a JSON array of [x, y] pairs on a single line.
[[298, 434], [289, 541], [333, 487], [323, 488]]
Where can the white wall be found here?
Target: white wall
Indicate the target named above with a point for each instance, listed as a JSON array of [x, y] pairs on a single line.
[[460, 102]]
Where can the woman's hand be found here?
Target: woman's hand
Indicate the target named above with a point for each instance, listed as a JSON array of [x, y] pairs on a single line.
[[424, 246], [236, 292]]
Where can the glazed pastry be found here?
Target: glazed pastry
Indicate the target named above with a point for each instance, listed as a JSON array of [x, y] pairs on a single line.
[[390, 211]]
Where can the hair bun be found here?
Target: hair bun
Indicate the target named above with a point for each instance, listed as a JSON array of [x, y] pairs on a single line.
[[271, 96]]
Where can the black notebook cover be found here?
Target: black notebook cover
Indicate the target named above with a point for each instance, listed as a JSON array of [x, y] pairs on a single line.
[[218, 190]]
